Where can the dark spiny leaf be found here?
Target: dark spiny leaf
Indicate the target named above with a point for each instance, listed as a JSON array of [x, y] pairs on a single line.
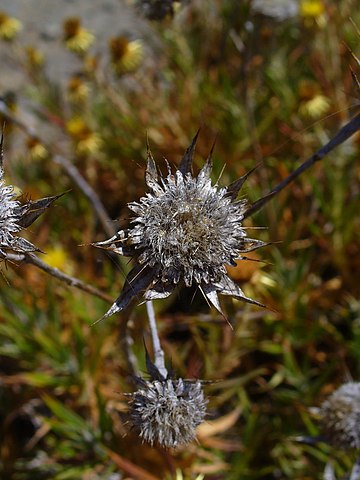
[[186, 162]]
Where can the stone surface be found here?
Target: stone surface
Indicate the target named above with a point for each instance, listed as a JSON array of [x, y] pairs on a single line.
[[42, 27]]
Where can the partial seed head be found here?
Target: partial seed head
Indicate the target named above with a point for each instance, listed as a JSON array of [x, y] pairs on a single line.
[[9, 213], [340, 416], [15, 216], [167, 412]]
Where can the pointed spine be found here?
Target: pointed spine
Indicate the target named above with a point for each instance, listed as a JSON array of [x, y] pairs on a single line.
[[206, 170], [234, 188], [151, 368], [151, 176], [187, 160]]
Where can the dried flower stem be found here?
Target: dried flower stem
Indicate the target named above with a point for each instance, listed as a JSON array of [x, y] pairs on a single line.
[[158, 351], [329, 473], [127, 342], [343, 134], [355, 472], [32, 259]]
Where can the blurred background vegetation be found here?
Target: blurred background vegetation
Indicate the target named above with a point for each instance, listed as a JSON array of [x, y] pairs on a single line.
[[272, 82]]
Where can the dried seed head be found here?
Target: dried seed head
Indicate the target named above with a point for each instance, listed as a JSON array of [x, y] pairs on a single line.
[[340, 416], [9, 213], [184, 229], [168, 411], [15, 216]]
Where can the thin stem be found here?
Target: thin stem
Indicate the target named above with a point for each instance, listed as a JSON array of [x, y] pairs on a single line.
[[329, 473], [126, 342], [88, 191], [343, 134], [158, 351], [32, 259], [355, 472]]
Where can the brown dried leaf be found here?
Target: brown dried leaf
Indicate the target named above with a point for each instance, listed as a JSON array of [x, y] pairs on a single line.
[[220, 425]]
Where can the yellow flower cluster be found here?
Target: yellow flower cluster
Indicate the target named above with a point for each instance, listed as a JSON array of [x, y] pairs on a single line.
[[9, 27]]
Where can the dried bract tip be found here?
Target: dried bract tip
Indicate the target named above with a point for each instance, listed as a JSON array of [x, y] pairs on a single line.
[[184, 230], [340, 416], [167, 412]]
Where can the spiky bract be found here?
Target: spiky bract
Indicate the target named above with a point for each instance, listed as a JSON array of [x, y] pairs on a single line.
[[340, 416], [167, 412], [185, 229]]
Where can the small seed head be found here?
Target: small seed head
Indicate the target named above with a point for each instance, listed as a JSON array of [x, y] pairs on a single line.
[[167, 412], [340, 416]]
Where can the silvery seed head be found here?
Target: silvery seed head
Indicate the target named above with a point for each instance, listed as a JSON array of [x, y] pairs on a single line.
[[15, 216], [340, 416], [9, 217], [166, 411], [185, 229]]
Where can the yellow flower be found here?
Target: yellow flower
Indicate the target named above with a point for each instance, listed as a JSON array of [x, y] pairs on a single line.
[[91, 63], [77, 127], [9, 26], [316, 107], [77, 89], [180, 476], [56, 257], [90, 145], [76, 38], [87, 141], [311, 8], [126, 55], [34, 57], [36, 149]]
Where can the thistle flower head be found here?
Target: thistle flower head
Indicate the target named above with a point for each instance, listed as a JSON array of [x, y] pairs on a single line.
[[340, 416], [166, 411], [15, 216], [185, 229]]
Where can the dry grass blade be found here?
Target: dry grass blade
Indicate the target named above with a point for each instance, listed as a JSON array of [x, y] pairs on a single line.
[[130, 468]]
